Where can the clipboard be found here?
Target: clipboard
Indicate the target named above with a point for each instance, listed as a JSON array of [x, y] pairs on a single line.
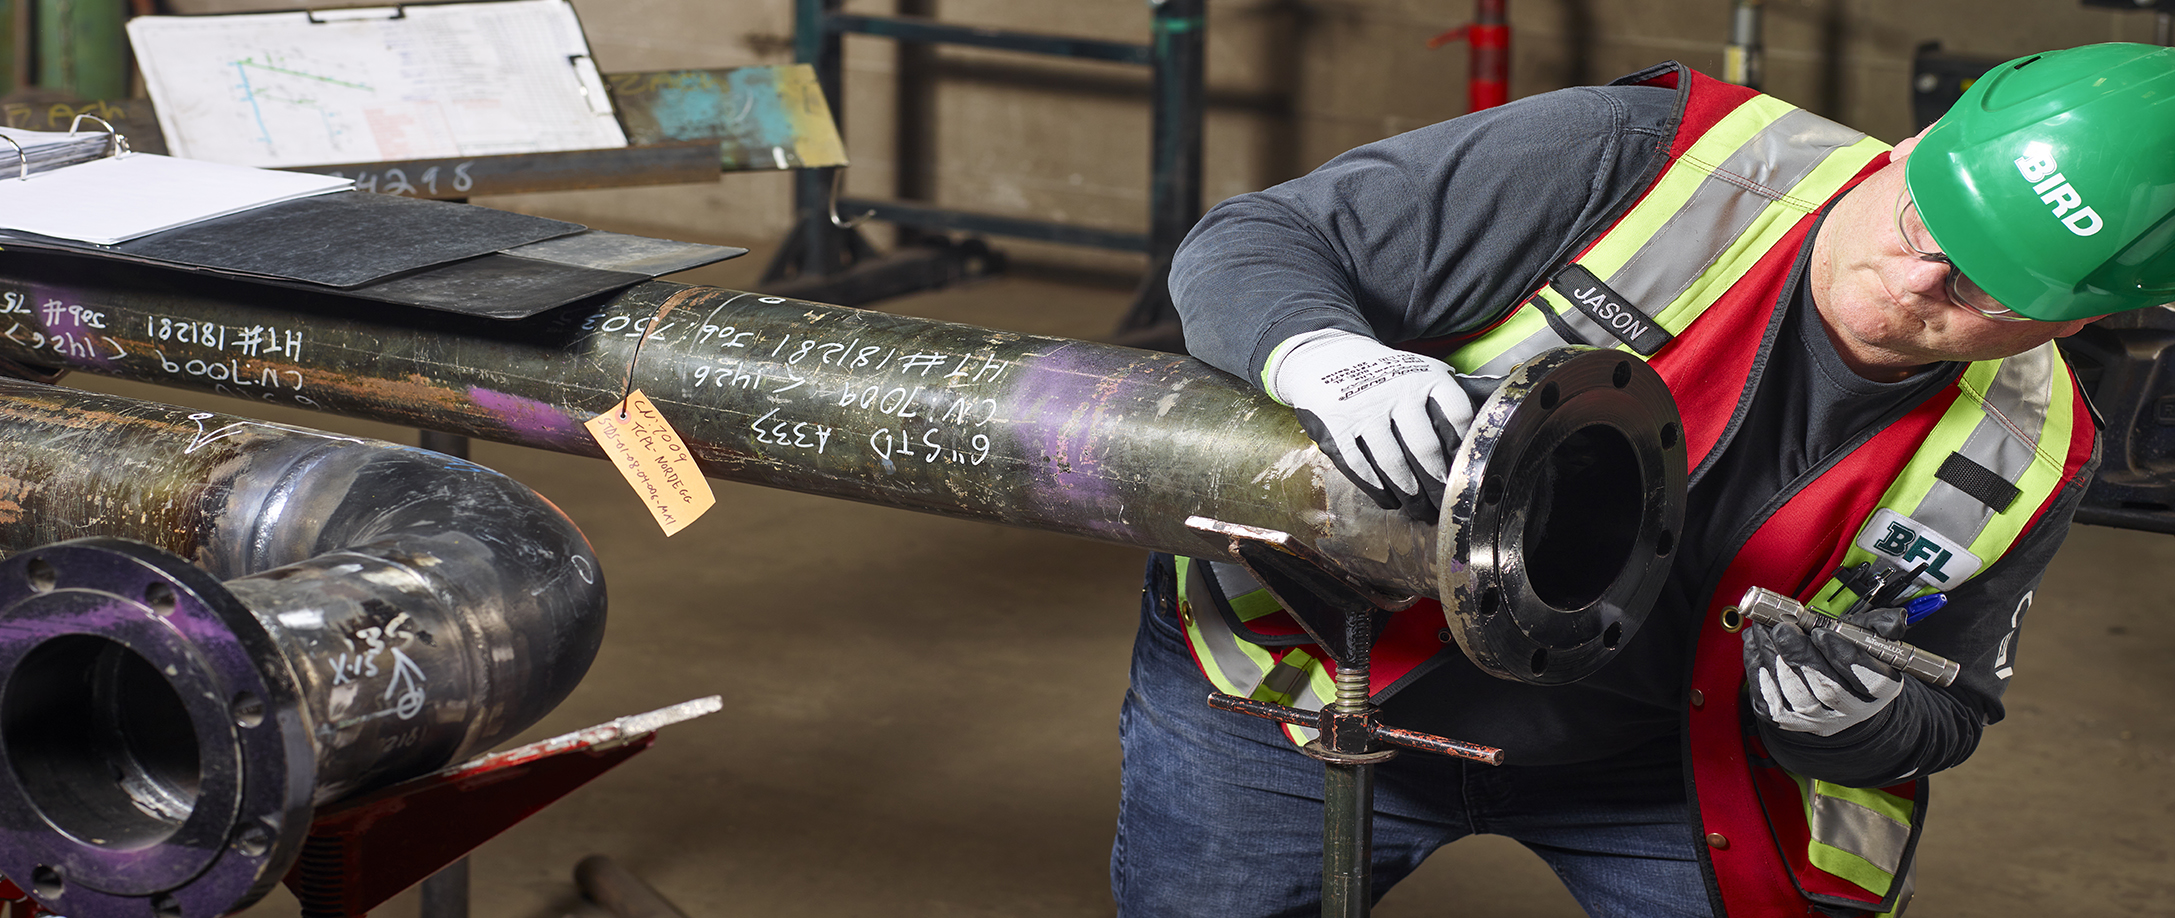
[[375, 84]]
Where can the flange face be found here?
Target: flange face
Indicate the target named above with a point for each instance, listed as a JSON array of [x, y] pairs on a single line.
[[149, 761], [1560, 516]]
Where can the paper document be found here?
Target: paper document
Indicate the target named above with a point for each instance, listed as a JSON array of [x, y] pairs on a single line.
[[48, 149], [374, 84], [118, 198]]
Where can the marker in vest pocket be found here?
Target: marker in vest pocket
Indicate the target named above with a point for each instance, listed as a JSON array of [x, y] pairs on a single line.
[[1908, 543], [1610, 310]]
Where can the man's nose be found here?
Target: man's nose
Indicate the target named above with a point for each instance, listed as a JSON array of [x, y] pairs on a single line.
[[1927, 277]]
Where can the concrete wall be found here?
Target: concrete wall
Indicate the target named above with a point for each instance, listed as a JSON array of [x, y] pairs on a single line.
[[1291, 83]]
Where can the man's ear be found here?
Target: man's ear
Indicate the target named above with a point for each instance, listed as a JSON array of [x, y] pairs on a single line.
[[1904, 149]]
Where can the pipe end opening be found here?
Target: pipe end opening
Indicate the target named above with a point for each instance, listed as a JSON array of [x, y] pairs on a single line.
[[1573, 557], [100, 742]]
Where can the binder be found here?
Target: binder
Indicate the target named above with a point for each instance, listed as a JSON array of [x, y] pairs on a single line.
[[37, 151], [121, 196]]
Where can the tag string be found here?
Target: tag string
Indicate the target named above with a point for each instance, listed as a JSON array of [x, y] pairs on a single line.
[[671, 302]]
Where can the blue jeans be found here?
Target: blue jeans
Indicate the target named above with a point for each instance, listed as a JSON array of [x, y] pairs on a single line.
[[1221, 816]]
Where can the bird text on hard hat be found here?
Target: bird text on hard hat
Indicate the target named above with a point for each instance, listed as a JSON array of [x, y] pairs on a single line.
[[2038, 167]]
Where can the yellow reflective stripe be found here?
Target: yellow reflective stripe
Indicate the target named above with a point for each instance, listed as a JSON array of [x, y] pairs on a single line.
[[1524, 323], [1254, 605], [1233, 665], [1850, 867], [1297, 680], [1311, 697], [2006, 443], [1320, 685], [1248, 606], [1962, 417], [1285, 680]]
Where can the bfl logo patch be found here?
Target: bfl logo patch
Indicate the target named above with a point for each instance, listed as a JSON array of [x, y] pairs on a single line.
[[1909, 543]]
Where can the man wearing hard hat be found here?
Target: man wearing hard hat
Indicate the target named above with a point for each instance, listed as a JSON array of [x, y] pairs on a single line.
[[1860, 341]]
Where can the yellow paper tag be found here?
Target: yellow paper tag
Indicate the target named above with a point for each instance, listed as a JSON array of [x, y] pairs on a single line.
[[654, 460]]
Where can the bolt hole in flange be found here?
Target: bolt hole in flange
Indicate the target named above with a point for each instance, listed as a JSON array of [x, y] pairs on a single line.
[[248, 710], [160, 597], [1559, 517], [253, 840], [41, 576], [46, 883]]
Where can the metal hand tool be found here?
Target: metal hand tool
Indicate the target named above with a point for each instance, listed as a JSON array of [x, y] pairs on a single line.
[[1771, 608]]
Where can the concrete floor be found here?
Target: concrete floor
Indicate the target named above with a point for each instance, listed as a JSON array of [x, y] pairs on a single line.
[[921, 713]]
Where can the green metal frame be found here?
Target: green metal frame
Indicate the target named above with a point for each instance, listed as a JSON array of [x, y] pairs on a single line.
[[1175, 54]]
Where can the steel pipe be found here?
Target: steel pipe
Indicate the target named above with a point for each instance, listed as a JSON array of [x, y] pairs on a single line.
[[1094, 440], [301, 617]]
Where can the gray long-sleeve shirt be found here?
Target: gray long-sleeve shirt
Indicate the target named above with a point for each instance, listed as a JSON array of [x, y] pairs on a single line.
[[1446, 228]]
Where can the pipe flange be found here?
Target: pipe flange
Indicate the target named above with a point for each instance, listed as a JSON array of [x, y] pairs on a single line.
[[1561, 514], [158, 763]]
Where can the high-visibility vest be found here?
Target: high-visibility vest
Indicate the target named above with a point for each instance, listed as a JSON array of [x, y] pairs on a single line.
[[1951, 485]]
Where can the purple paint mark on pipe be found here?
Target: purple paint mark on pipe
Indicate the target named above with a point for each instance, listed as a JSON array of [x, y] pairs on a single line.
[[532, 419], [38, 319], [1065, 402]]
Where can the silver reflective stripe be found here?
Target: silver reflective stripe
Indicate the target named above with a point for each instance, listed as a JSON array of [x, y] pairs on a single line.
[[1726, 205], [1539, 342], [1868, 834], [1306, 700], [1234, 579], [1284, 680], [2006, 442], [1222, 645]]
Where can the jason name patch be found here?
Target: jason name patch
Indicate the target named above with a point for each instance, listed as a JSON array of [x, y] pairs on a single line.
[[1610, 310]]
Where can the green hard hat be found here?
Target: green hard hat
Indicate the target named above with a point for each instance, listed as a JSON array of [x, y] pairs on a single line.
[[2051, 183]]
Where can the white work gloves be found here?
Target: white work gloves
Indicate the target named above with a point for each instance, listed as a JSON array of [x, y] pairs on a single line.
[[1820, 684], [1389, 419]]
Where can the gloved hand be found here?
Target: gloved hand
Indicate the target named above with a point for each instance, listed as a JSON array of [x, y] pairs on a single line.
[[1820, 684], [1388, 418]]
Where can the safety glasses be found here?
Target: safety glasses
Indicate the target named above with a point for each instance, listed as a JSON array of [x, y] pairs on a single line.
[[1961, 291]]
